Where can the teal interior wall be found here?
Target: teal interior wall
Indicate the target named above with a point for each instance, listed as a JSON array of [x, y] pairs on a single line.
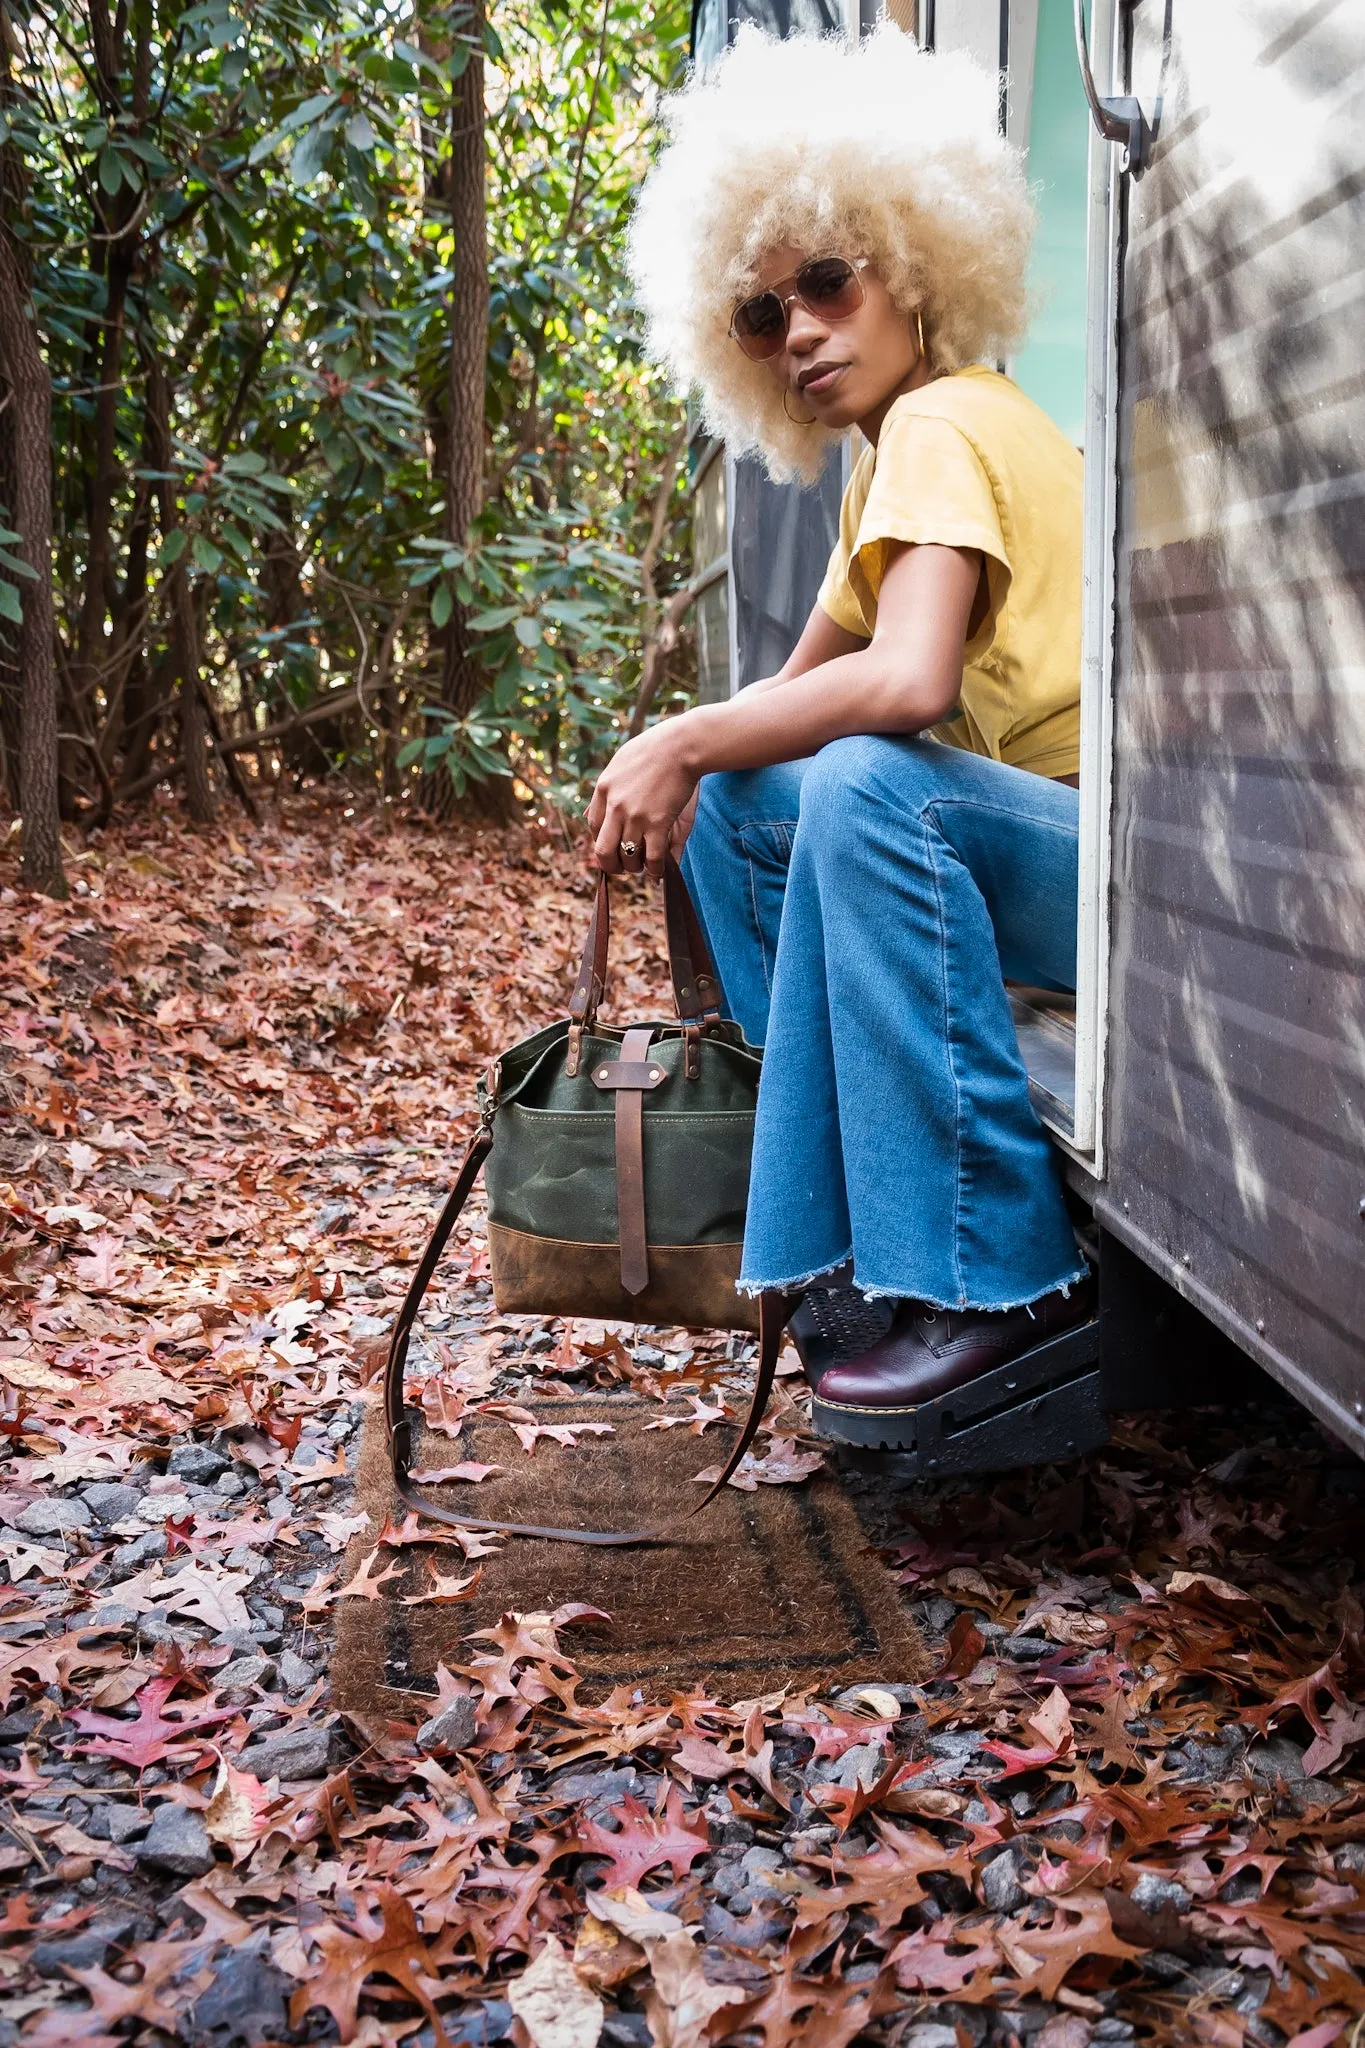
[[1051, 365]]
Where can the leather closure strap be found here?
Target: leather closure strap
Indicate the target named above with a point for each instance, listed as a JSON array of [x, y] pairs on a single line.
[[630, 1162], [629, 1074], [773, 1312]]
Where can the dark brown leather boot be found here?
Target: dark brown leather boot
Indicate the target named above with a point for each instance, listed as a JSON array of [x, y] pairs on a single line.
[[834, 1321], [928, 1351]]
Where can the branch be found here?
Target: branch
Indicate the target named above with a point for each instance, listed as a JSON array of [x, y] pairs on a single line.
[[661, 638], [255, 357], [658, 647], [570, 216], [663, 497], [316, 714], [234, 773]]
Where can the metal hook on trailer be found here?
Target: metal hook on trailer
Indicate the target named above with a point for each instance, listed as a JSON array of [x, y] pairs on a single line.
[[1118, 119]]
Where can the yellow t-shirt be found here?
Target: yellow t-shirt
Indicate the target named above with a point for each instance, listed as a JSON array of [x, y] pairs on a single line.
[[969, 462]]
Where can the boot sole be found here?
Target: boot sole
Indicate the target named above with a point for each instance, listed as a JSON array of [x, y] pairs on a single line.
[[1043, 1405]]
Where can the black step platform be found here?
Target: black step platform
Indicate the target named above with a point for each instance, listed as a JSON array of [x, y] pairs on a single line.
[[1043, 1406]]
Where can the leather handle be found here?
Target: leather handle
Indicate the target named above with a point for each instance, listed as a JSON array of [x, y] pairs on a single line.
[[695, 988], [773, 1312], [631, 1229], [696, 992], [592, 973]]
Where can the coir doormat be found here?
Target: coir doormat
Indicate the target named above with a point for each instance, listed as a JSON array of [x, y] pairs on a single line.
[[764, 1589]]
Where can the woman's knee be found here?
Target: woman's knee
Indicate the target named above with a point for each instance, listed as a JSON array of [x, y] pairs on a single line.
[[849, 776]]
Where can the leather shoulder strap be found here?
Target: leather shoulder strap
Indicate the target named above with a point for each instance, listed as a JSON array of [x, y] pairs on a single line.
[[774, 1310]]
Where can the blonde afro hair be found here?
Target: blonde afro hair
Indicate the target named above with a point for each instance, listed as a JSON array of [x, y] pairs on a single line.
[[883, 152]]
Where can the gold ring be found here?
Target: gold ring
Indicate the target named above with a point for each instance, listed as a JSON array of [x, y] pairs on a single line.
[[628, 846]]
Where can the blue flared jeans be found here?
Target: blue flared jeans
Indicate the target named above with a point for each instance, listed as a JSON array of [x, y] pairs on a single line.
[[865, 908]]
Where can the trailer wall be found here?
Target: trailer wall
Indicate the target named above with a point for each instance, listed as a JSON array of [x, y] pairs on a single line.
[[1236, 1091]]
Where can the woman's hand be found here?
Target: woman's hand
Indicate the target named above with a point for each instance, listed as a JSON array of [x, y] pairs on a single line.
[[641, 795], [686, 819]]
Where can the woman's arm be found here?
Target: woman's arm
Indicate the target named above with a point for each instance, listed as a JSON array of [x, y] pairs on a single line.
[[907, 677], [821, 640]]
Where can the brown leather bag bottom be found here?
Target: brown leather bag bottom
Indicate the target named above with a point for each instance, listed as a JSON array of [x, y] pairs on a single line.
[[690, 1285]]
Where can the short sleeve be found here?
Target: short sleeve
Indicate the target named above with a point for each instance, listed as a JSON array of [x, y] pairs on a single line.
[[929, 487], [836, 595]]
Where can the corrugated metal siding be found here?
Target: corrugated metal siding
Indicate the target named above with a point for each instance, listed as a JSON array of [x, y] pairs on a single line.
[[1236, 1110]]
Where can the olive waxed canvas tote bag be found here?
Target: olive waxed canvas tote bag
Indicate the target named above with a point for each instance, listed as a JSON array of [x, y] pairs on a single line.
[[617, 1171]]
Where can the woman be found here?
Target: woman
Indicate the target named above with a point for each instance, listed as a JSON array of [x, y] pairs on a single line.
[[883, 832]]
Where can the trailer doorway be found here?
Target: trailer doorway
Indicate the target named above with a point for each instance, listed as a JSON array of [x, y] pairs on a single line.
[[760, 548], [1069, 367]]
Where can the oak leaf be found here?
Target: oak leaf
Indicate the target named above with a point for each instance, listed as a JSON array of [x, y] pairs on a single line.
[[236, 1814], [680, 2004], [782, 1465], [445, 1590], [213, 1597], [948, 1960], [1107, 1731], [387, 1943], [647, 1839], [846, 1803], [1343, 1726], [603, 1957], [366, 1585], [528, 1431], [153, 1737], [468, 1470], [698, 1422], [802, 2010], [553, 2004], [1052, 1721], [112, 2001], [337, 1529], [702, 1759], [632, 1914], [1043, 1956]]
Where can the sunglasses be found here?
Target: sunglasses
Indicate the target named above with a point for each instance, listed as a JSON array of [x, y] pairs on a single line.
[[827, 286]]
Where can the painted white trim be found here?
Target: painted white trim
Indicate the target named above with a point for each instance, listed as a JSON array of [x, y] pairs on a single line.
[[694, 482], [1023, 57], [731, 609], [1097, 626]]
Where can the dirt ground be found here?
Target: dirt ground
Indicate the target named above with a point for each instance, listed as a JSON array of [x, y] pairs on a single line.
[[236, 1071]]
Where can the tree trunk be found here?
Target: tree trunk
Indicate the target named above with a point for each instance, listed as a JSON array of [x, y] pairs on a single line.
[[457, 432], [115, 225], [193, 722], [30, 425], [467, 369], [124, 711], [182, 628], [86, 665], [469, 286]]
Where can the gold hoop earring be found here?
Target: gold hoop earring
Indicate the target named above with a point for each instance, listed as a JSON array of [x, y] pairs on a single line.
[[919, 324], [792, 416]]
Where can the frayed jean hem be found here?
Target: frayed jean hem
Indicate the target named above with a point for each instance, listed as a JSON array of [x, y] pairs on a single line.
[[754, 1288]]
